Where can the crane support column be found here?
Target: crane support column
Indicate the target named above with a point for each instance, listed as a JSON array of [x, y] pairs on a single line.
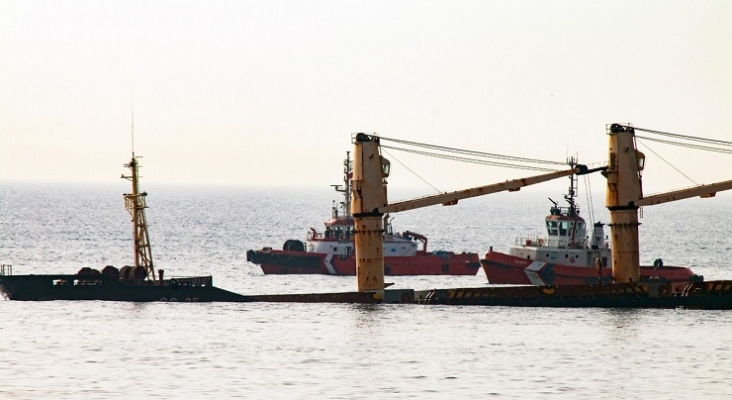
[[624, 187], [368, 195], [624, 242]]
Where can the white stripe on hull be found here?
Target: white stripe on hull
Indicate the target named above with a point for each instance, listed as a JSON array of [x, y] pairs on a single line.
[[531, 273], [331, 269]]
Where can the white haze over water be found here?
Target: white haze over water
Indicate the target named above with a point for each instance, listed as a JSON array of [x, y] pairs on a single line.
[[269, 92]]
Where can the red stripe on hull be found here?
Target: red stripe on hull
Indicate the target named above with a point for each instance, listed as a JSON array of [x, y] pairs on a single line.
[[292, 262], [502, 269]]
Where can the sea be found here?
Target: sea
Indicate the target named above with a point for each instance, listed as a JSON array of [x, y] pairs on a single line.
[[117, 350]]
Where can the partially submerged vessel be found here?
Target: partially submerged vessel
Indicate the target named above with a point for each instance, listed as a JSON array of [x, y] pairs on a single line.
[[138, 282], [331, 251], [567, 256]]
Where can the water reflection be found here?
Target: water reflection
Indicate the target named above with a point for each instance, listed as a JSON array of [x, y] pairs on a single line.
[[368, 318], [620, 325]]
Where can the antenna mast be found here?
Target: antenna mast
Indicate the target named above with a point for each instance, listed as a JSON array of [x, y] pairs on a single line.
[[132, 128], [345, 188], [572, 192], [135, 205]]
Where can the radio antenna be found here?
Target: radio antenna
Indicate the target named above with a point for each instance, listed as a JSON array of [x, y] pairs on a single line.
[[132, 126]]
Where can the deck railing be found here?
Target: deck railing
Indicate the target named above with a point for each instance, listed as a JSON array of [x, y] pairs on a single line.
[[172, 281], [6, 269]]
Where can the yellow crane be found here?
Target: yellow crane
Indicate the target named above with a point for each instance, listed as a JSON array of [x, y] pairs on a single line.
[[624, 196], [369, 204]]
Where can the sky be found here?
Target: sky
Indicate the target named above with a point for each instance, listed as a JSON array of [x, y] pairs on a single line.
[[268, 93]]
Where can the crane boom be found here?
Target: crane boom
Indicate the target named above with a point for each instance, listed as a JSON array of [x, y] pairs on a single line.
[[708, 190], [451, 198], [370, 203]]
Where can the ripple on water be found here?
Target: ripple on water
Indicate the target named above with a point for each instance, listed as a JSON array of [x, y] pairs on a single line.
[[68, 350]]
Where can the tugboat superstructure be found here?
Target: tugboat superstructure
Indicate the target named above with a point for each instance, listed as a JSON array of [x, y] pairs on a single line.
[[566, 237], [567, 255], [332, 250]]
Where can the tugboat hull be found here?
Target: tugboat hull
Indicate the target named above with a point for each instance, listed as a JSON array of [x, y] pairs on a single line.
[[506, 269], [297, 262], [332, 251]]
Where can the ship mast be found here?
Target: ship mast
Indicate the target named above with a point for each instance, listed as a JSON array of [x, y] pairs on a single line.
[[572, 193], [345, 205], [135, 205]]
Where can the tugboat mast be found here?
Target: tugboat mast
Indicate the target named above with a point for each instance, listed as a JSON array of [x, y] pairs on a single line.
[[345, 205], [572, 194], [135, 205]]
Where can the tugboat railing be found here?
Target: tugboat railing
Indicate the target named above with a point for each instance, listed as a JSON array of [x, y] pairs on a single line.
[[531, 240], [6, 270]]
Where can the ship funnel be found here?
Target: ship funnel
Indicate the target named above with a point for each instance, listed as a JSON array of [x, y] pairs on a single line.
[[598, 236]]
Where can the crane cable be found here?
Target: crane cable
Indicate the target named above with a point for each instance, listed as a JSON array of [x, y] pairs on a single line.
[[669, 164], [588, 194], [685, 137], [471, 152], [471, 160], [410, 170], [717, 142], [688, 145], [463, 159]]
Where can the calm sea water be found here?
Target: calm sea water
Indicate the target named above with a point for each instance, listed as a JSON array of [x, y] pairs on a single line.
[[70, 350]]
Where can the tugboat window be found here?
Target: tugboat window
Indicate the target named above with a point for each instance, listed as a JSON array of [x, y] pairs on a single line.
[[563, 228]]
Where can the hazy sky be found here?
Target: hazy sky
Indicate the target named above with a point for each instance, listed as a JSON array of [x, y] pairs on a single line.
[[269, 92]]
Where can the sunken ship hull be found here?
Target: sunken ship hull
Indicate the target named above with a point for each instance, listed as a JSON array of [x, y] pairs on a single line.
[[711, 295], [422, 263], [502, 268], [138, 283], [101, 287]]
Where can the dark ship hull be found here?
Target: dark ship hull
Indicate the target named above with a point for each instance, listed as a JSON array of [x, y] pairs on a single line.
[[712, 295], [697, 295], [100, 287], [130, 283]]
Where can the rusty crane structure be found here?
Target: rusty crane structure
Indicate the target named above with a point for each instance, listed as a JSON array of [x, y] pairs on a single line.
[[624, 197], [369, 204]]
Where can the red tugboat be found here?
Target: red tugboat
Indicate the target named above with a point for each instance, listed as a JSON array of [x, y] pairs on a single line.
[[331, 252], [566, 256]]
